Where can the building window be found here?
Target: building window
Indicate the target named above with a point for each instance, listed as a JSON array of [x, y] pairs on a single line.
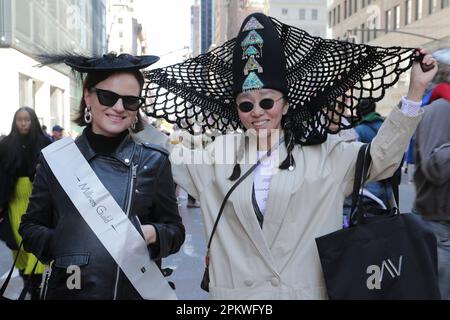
[[334, 16], [432, 6], [302, 14], [120, 34], [355, 7], [419, 6], [396, 17], [445, 4], [408, 12], [120, 21], [363, 30], [56, 106], [330, 15], [314, 14], [345, 9], [374, 23], [284, 12], [369, 1], [339, 13], [349, 8], [363, 3], [388, 20]]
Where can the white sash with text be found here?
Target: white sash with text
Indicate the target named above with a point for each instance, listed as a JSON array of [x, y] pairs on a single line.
[[106, 219]]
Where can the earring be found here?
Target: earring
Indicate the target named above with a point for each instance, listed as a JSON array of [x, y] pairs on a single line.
[[87, 115], [133, 126], [291, 157]]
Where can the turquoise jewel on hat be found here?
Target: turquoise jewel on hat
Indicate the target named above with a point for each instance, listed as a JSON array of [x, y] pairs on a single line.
[[252, 82], [252, 65], [253, 24], [253, 38], [250, 51]]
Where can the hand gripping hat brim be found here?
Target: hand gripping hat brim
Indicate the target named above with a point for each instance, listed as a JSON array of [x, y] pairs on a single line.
[[326, 79]]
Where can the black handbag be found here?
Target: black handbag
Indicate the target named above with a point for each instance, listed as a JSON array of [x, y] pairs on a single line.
[[379, 256], [6, 233]]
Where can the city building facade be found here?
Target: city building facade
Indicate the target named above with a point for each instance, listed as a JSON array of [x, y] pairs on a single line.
[[29, 28], [206, 25], [124, 33], [195, 28], [406, 23], [309, 15]]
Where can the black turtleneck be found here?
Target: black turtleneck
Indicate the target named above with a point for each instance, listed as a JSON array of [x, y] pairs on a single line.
[[104, 145]]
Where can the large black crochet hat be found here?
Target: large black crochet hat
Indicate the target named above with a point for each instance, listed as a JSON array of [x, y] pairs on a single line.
[[326, 79]]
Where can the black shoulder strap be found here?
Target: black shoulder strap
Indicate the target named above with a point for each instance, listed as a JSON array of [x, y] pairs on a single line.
[[361, 169], [8, 278], [242, 178]]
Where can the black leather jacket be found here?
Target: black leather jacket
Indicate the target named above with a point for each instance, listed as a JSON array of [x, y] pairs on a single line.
[[139, 178]]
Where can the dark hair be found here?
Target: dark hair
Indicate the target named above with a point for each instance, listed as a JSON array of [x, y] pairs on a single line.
[[34, 140], [289, 141], [96, 77], [366, 107]]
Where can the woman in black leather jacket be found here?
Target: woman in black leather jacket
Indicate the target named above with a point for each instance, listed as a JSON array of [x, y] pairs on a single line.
[[138, 177]]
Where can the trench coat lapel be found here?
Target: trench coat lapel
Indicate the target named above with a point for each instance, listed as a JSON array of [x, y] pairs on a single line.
[[283, 185], [242, 202]]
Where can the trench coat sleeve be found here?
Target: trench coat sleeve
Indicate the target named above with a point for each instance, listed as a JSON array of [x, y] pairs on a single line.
[[193, 169], [168, 225], [387, 149], [37, 226]]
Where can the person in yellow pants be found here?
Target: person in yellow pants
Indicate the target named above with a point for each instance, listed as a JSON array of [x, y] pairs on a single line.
[[19, 153]]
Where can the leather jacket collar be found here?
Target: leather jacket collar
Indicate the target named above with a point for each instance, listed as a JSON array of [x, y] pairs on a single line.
[[123, 153]]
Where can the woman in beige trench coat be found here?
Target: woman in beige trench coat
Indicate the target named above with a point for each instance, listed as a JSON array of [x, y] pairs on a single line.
[[264, 245]]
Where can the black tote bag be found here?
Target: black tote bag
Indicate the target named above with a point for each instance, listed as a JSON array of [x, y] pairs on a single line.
[[387, 256]]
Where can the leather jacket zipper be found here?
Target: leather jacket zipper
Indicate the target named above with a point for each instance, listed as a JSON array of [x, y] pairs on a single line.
[[130, 201]]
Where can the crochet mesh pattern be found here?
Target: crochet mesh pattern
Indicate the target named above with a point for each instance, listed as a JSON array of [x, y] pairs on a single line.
[[326, 78]]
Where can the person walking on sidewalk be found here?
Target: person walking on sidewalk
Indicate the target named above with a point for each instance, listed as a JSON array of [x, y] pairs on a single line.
[[432, 175], [19, 153]]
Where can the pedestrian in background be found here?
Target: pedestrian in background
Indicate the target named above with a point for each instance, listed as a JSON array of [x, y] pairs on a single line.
[[19, 153], [376, 193], [57, 133], [44, 129], [432, 175], [283, 175]]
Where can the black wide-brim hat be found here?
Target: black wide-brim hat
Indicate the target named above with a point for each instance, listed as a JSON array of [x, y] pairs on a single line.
[[326, 80], [110, 62]]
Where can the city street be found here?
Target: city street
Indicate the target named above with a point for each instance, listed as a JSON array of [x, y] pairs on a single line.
[[188, 263]]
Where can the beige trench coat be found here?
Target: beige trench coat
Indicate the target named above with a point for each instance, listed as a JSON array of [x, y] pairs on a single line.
[[280, 261]]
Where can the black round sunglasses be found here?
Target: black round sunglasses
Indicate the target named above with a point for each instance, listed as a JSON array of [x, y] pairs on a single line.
[[266, 104], [109, 99]]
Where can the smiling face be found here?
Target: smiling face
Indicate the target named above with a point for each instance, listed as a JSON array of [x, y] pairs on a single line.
[[259, 119], [111, 121]]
